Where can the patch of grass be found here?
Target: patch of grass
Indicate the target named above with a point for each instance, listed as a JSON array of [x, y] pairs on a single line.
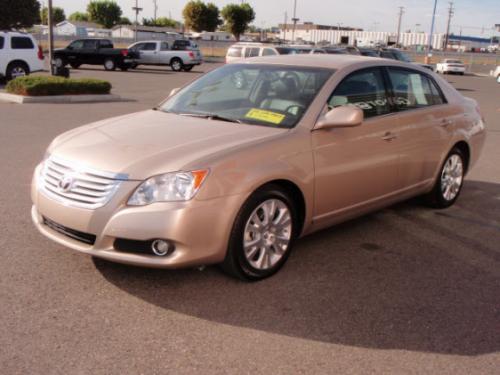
[[47, 85]]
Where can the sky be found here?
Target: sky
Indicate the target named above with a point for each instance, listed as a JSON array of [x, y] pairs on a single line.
[[474, 17]]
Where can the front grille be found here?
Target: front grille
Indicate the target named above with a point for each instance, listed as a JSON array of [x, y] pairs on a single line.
[[71, 233], [76, 185]]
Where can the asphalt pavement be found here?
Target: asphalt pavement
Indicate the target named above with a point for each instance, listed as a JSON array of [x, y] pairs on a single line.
[[406, 290]]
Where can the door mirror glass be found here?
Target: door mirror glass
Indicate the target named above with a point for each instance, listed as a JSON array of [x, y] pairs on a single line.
[[341, 117]]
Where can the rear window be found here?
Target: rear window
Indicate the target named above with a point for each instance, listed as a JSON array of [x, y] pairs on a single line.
[[286, 51], [2, 39], [252, 52], [21, 42], [234, 52]]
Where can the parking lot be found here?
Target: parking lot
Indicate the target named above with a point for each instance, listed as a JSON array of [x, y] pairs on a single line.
[[404, 290]]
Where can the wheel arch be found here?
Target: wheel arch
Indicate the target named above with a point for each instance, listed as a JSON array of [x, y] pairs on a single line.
[[19, 61], [465, 148]]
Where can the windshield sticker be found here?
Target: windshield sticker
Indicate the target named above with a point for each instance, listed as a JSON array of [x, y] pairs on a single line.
[[267, 116]]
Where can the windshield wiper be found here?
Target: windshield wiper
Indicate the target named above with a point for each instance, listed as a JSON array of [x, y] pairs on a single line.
[[211, 116]]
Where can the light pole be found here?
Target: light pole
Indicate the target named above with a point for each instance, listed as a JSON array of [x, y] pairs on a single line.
[[401, 12], [429, 42], [294, 19], [136, 9], [51, 35]]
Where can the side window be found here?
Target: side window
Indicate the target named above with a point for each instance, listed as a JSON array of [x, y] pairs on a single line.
[[89, 44], [164, 46], [139, 47], [77, 44], [149, 47], [105, 44], [411, 89], [268, 52], [252, 52], [21, 42], [387, 55], [364, 89], [2, 40], [234, 52], [437, 96]]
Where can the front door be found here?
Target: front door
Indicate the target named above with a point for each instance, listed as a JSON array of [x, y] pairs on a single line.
[[356, 167], [149, 53]]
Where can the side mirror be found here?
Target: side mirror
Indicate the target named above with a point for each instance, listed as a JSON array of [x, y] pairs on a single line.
[[341, 117], [174, 91]]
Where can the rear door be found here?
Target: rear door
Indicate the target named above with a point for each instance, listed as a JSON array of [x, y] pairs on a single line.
[[425, 120], [23, 49], [356, 167], [89, 53]]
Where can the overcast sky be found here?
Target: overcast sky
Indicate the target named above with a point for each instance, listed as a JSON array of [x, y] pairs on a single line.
[[472, 15]]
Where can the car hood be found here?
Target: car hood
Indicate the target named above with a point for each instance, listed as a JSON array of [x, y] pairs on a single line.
[[152, 142]]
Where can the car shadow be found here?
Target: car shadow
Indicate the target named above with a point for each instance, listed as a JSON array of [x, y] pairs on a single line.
[[465, 90], [405, 278], [137, 70]]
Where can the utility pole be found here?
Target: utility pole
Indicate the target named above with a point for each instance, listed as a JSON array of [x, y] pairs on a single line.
[[51, 36], [136, 9], [155, 8], [429, 42], [447, 35], [401, 12], [294, 19], [285, 27]]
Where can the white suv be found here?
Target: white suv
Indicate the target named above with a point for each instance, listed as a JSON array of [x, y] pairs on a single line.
[[245, 50], [19, 54]]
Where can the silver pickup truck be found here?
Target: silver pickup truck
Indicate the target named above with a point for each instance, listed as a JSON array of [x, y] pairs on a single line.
[[178, 56]]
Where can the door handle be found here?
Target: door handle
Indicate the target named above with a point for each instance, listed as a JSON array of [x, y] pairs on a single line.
[[389, 136]]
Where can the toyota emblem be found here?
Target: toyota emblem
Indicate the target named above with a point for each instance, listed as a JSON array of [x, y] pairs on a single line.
[[65, 183]]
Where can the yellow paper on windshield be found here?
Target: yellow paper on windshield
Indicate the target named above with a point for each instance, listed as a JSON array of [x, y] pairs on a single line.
[[267, 116]]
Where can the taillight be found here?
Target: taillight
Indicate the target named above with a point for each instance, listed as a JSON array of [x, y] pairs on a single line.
[[124, 52], [40, 52], [191, 55]]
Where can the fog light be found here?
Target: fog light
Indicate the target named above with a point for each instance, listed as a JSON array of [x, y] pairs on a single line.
[[161, 247]]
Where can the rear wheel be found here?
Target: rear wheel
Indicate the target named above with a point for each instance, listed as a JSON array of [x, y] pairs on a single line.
[[75, 65], [262, 235], [109, 64], [17, 69], [176, 64], [124, 68], [59, 62], [449, 182]]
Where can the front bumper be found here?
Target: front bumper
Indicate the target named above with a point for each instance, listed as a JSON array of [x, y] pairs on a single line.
[[198, 229]]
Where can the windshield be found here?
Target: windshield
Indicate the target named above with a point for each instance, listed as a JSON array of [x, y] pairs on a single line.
[[268, 95]]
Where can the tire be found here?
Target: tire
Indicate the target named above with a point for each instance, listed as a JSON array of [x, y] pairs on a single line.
[[124, 68], [176, 64], [109, 64], [440, 197], [268, 246], [59, 62], [188, 68], [134, 66], [17, 69], [75, 65]]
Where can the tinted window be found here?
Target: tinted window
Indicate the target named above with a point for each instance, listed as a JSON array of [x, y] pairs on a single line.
[[149, 47], [89, 44], [2, 39], [105, 44], [268, 52], [411, 89], [20, 42], [234, 52], [286, 51], [387, 55], [364, 89], [252, 52]]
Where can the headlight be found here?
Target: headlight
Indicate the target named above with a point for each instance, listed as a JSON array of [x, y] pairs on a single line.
[[169, 187]]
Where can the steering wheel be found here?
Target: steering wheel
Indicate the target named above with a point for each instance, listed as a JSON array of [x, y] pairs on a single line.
[[294, 76]]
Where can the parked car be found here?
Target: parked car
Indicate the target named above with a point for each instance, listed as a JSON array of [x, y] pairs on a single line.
[[448, 66], [245, 50], [369, 52], [94, 52], [395, 54], [230, 175], [342, 50], [496, 74], [156, 52], [20, 54]]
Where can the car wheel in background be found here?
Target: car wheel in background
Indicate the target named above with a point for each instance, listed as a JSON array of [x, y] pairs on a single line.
[[17, 69], [109, 64], [176, 64], [188, 68], [262, 235], [134, 65], [75, 65], [449, 181], [124, 68], [59, 62]]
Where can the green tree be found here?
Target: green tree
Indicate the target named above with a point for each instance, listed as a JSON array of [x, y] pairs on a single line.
[[125, 21], [104, 12], [16, 14], [78, 16], [57, 15], [161, 22], [199, 16], [237, 17]]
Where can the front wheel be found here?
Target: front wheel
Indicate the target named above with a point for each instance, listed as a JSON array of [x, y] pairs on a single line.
[[449, 182], [262, 235], [109, 64]]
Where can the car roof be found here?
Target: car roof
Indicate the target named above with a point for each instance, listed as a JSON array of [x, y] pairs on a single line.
[[336, 62]]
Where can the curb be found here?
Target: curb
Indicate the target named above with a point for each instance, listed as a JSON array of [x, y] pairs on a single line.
[[62, 99]]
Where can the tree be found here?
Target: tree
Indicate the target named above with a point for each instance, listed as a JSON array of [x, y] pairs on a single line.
[[57, 15], [161, 22], [17, 14], [125, 21], [199, 16], [237, 18], [104, 12], [79, 16]]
